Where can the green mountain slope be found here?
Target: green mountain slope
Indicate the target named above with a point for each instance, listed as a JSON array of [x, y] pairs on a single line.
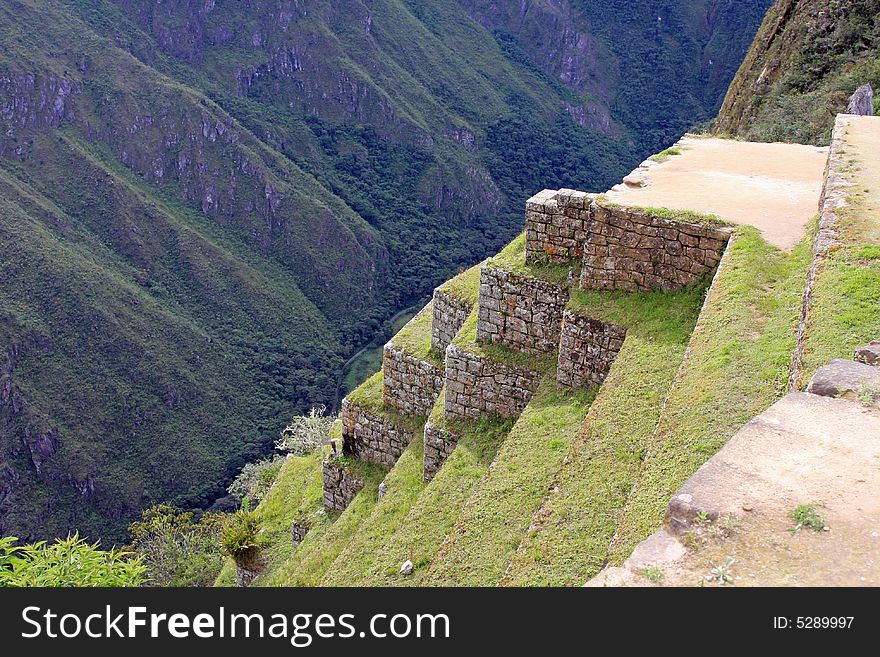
[[207, 206], [807, 59]]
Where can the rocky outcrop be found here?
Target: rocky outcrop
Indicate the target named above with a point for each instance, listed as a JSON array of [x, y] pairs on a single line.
[[842, 377], [862, 101], [298, 531], [868, 354]]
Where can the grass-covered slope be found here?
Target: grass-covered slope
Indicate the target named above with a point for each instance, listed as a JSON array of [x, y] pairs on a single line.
[[133, 383], [845, 303], [737, 365], [420, 534], [568, 539], [808, 58], [491, 524], [403, 485], [295, 496]]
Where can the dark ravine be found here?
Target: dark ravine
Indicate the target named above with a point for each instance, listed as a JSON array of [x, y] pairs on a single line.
[[371, 345]]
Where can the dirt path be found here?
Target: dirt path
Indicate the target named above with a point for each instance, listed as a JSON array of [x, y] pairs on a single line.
[[774, 187]]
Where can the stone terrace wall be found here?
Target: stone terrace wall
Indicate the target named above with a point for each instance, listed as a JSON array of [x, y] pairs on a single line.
[[557, 223], [340, 486], [519, 312], [448, 316], [411, 385], [439, 443], [627, 249], [477, 386], [371, 437], [587, 349]]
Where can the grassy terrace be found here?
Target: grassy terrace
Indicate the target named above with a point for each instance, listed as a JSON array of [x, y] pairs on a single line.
[[369, 396], [466, 340], [737, 366], [404, 485], [569, 536], [513, 259], [329, 533], [296, 495], [845, 310], [437, 508], [415, 338], [465, 286], [496, 516]]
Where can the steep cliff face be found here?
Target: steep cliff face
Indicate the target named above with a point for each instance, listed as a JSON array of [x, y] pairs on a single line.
[[207, 204], [808, 57]]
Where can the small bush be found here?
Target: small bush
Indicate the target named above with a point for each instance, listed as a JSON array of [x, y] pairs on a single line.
[[69, 562], [176, 550], [306, 433], [806, 516], [255, 479], [240, 535]]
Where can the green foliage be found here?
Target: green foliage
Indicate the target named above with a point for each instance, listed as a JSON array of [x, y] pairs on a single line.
[[255, 479], [176, 549], [822, 52], [239, 537], [805, 515], [67, 562], [295, 497], [664, 155], [305, 433]]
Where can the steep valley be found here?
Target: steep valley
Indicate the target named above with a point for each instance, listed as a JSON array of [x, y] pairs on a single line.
[[206, 207]]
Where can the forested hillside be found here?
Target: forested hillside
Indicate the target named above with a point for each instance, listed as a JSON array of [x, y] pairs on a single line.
[[808, 58], [206, 206]]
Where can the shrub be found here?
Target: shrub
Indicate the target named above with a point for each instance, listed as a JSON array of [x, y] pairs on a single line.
[[306, 433], [240, 536], [67, 562], [176, 550], [255, 479]]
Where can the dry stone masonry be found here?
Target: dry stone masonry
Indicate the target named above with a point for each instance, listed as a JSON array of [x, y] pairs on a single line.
[[298, 531], [630, 249], [370, 436], [587, 349], [411, 385], [439, 443], [449, 315], [519, 312], [477, 386], [340, 486], [557, 222]]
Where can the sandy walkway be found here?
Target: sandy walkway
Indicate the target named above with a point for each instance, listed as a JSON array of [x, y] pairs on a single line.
[[774, 187]]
